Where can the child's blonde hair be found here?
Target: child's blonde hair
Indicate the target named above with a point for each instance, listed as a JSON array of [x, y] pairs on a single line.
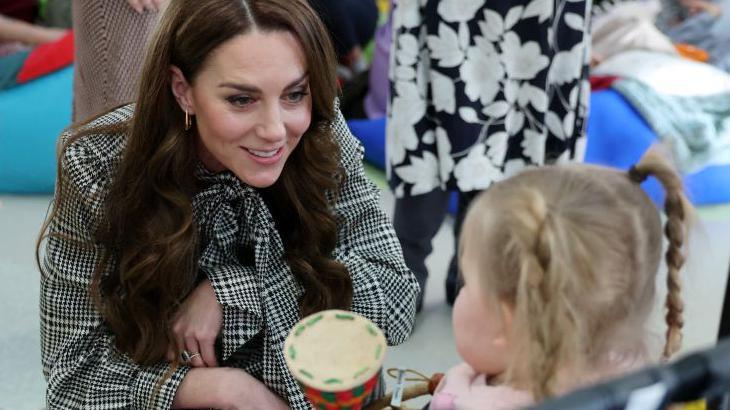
[[574, 250]]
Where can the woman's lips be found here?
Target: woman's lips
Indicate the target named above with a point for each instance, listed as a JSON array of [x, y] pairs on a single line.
[[265, 157]]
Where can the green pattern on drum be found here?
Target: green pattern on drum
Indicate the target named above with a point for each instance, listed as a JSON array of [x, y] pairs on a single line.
[[314, 320], [292, 353], [329, 397], [306, 373], [360, 372], [378, 351], [299, 330], [343, 316], [333, 381], [372, 331], [358, 391]]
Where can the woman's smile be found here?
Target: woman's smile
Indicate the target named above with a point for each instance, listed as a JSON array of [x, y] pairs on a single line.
[[266, 157]]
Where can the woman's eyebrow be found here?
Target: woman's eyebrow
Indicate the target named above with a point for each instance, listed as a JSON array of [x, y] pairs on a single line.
[[297, 81], [254, 89]]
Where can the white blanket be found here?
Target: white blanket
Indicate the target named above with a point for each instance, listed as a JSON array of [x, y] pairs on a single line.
[[629, 26], [666, 74]]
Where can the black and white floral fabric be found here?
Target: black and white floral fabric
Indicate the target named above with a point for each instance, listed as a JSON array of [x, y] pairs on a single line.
[[481, 89]]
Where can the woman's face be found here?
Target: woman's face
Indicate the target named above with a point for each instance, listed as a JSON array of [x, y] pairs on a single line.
[[251, 105]]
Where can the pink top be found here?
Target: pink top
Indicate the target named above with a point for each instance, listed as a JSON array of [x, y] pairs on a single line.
[[463, 388]]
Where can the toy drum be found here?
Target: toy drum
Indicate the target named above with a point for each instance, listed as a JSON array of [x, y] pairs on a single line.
[[336, 356]]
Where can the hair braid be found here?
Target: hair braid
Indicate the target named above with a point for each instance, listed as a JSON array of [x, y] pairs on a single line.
[[675, 206], [545, 314]]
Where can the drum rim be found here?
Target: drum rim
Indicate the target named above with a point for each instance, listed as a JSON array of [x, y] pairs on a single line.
[[320, 382]]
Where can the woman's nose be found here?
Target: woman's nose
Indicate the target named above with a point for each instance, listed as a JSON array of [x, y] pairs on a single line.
[[271, 126]]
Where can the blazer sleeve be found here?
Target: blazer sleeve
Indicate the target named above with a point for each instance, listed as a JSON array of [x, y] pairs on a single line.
[[82, 367], [384, 289]]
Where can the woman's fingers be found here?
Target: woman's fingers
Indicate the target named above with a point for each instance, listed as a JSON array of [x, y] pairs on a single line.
[[207, 351], [136, 5], [198, 323], [151, 5], [192, 348], [141, 5]]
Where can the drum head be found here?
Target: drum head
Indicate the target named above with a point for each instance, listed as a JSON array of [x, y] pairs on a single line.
[[334, 350]]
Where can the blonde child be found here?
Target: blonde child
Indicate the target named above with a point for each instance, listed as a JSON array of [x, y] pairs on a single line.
[[559, 266]]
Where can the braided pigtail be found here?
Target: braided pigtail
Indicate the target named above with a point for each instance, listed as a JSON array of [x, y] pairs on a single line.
[[543, 312], [676, 208]]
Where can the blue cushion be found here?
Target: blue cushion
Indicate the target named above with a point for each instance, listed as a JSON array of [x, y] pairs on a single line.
[[618, 136], [371, 134], [32, 116]]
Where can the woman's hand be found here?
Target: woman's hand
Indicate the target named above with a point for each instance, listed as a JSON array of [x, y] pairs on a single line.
[[141, 5], [197, 324], [225, 388]]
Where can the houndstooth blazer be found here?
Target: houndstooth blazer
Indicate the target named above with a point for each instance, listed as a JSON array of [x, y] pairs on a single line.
[[82, 367]]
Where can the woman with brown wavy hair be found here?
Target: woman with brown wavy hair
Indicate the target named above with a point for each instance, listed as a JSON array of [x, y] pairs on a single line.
[[203, 221]]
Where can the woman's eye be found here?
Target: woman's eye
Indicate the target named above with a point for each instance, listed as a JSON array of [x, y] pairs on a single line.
[[296, 96], [240, 100]]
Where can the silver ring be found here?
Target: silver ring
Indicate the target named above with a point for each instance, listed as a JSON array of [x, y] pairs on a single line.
[[187, 357]]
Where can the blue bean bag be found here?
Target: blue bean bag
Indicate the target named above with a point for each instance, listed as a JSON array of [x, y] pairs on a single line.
[[371, 134], [617, 137], [32, 115]]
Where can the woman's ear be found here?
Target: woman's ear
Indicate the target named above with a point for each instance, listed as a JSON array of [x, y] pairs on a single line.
[[181, 90]]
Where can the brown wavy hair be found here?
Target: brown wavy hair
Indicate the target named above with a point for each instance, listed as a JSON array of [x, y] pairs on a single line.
[[575, 250], [148, 232]]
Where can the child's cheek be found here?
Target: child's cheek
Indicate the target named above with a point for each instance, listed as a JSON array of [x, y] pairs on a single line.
[[475, 332]]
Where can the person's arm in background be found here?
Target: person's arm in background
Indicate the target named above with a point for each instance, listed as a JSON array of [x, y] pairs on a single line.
[[13, 30], [700, 6], [714, 16]]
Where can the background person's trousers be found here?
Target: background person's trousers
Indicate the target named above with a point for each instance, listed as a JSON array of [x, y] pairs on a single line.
[[417, 219]]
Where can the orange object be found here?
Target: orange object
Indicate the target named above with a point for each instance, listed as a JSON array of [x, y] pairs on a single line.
[[691, 52]]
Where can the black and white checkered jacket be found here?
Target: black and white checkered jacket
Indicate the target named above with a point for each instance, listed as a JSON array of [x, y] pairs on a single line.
[[81, 365]]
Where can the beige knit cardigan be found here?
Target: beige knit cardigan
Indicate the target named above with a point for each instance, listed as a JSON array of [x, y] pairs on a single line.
[[110, 41]]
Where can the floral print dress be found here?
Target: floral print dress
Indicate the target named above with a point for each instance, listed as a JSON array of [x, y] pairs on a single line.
[[481, 89]]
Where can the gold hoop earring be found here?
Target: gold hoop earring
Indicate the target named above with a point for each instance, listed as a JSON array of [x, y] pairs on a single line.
[[188, 121]]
